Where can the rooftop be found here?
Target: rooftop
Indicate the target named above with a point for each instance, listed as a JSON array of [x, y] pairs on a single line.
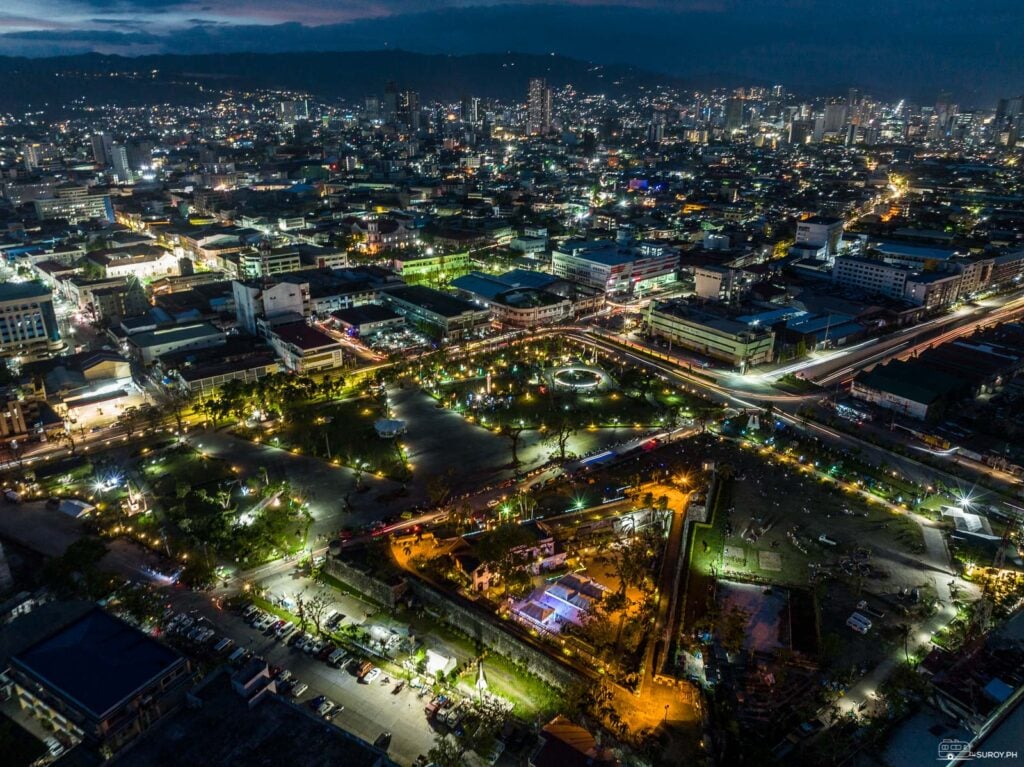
[[302, 336], [97, 662], [177, 334], [223, 730], [432, 300], [19, 291]]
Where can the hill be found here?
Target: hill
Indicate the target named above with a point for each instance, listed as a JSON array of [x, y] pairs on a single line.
[[50, 83]]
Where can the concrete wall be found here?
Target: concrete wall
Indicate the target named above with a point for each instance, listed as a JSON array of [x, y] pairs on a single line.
[[494, 634], [377, 590]]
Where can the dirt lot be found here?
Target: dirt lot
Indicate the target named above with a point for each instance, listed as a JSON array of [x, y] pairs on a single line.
[[768, 529]]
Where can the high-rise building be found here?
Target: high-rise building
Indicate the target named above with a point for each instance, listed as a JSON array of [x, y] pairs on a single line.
[[38, 156], [290, 112], [471, 110], [408, 111], [389, 105], [119, 161], [74, 203], [102, 149], [733, 113], [835, 117], [539, 107], [28, 323]]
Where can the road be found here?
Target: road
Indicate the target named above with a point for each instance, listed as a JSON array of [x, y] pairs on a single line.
[[911, 341]]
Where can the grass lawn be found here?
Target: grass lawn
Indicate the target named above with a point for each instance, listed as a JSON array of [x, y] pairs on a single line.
[[342, 432]]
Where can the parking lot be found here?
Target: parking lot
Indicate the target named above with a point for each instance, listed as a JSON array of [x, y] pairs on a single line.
[[368, 710]]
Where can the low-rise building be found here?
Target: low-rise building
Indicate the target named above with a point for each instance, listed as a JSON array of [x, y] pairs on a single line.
[[438, 314], [148, 345], [28, 323], [366, 320], [304, 349], [615, 267], [909, 388], [100, 680], [710, 334]]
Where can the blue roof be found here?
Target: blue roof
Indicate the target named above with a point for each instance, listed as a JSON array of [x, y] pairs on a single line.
[[97, 662], [914, 251], [998, 690], [527, 278], [772, 316], [480, 284]]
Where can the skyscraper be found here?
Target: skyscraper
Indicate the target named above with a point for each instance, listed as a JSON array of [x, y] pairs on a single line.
[[539, 107], [471, 110], [408, 110], [102, 148], [122, 167], [733, 113]]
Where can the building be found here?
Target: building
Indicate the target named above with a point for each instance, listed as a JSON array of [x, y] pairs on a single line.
[[909, 388], [143, 263], [438, 314], [820, 232], [367, 319], [237, 719], [933, 290], [100, 680], [74, 203], [28, 323], [205, 370], [871, 275], [430, 266], [564, 744], [512, 304], [150, 344], [538, 107], [304, 349], [717, 283], [614, 267], [266, 261], [38, 156], [711, 335], [733, 114], [257, 302]]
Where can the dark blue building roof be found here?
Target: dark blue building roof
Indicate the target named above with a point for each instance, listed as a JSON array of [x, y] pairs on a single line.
[[97, 662]]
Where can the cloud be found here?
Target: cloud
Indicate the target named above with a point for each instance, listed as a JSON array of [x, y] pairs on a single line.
[[910, 47], [100, 38]]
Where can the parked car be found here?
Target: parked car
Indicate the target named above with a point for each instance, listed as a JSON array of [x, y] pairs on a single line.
[[371, 675], [298, 689]]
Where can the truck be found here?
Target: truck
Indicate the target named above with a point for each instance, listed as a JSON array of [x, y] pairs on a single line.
[[365, 668], [431, 708]]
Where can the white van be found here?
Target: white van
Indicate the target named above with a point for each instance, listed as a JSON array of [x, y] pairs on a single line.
[[859, 623]]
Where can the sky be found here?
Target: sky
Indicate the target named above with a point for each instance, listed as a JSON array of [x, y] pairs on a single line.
[[896, 47]]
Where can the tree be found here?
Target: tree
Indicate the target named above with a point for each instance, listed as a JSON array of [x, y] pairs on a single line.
[[75, 573], [313, 607], [733, 629], [904, 630], [560, 435], [129, 419], [505, 551], [178, 400], [513, 433], [68, 437], [439, 487]]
